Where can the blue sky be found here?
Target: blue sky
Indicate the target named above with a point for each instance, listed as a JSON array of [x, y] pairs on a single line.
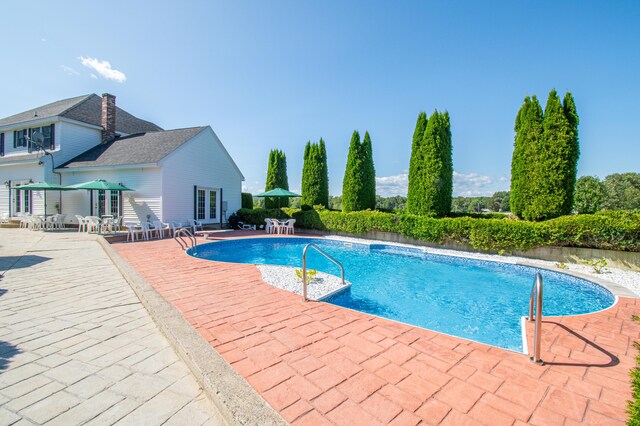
[[276, 74]]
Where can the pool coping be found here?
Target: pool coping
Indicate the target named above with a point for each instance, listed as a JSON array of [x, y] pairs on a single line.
[[236, 399], [617, 290]]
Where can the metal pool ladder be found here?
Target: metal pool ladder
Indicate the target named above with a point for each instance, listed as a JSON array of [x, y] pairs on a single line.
[[536, 292], [304, 267], [184, 232]]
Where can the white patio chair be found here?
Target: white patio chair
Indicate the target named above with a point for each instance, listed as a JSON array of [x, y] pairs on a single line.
[[93, 223], [246, 226], [4, 217], [137, 229], [36, 223], [50, 222], [287, 227], [106, 225], [82, 223], [59, 224], [195, 225], [175, 227], [159, 228], [24, 220], [268, 226]]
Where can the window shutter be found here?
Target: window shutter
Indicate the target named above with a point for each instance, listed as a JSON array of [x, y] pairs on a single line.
[[16, 137], [1, 144], [52, 145], [195, 202], [28, 140]]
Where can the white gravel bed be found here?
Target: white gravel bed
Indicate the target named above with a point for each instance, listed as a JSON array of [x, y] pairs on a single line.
[[624, 278], [284, 277]]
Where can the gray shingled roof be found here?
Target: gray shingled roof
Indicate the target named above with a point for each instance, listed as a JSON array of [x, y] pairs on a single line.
[[87, 109], [144, 148]]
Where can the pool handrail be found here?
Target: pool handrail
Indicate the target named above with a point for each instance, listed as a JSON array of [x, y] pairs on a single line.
[[304, 267], [536, 291], [183, 244]]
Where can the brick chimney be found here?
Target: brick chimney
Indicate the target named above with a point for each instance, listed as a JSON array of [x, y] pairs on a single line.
[[108, 117]]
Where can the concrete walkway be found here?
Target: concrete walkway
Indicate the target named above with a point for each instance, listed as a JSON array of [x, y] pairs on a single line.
[[76, 345]]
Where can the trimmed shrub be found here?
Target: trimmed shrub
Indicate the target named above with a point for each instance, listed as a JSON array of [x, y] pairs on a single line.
[[247, 200], [610, 230]]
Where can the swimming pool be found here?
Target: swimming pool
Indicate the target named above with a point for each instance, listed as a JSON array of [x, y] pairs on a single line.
[[469, 298]]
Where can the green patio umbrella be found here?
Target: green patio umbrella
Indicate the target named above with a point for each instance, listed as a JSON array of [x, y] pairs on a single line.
[[44, 186], [279, 193], [100, 184]]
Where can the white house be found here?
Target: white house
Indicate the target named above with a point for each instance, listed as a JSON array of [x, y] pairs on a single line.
[[174, 174]]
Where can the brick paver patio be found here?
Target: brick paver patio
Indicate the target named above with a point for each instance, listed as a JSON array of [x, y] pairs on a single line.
[[317, 363]]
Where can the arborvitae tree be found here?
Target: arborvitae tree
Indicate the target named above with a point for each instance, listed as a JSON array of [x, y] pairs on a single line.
[[276, 178], [431, 167], [369, 174], [528, 128], [315, 180], [573, 150], [359, 184], [324, 188], [556, 162], [417, 180], [545, 158]]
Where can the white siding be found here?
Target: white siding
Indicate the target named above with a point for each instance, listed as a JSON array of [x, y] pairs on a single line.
[[4, 198], [204, 162], [21, 173], [136, 205], [72, 140]]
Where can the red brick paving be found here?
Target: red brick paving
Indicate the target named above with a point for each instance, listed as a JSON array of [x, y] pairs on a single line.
[[317, 363]]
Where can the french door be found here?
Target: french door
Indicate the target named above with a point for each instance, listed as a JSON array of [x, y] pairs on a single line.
[[207, 205], [106, 203]]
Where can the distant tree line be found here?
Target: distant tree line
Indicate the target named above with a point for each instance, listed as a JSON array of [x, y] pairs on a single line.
[[619, 191]]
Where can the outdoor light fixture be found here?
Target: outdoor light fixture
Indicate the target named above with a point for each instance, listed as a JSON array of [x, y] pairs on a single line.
[[7, 183]]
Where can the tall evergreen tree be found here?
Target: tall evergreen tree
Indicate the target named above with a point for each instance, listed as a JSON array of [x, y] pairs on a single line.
[[324, 188], [573, 151], [555, 164], [431, 166], [315, 180], [417, 179], [276, 178], [545, 158], [528, 128], [369, 174], [359, 184]]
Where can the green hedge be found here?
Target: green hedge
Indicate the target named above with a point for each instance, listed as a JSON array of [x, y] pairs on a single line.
[[609, 230]]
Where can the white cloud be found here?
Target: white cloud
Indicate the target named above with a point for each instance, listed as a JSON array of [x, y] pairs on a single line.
[[464, 184], [388, 186], [95, 77], [68, 70], [103, 68], [471, 185]]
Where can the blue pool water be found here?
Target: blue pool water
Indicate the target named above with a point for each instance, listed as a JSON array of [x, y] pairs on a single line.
[[474, 299]]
